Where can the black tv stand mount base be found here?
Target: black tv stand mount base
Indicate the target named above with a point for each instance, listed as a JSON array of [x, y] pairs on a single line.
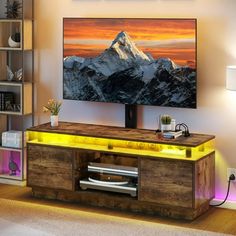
[[130, 116]]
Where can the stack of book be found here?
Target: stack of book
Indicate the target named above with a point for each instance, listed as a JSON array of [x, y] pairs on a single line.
[[172, 134], [6, 100]]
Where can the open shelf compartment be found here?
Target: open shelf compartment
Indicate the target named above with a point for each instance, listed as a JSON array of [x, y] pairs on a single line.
[[9, 27], [15, 104], [11, 166]]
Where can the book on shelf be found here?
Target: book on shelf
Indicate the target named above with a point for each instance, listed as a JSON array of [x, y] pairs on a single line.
[[172, 134], [6, 99]]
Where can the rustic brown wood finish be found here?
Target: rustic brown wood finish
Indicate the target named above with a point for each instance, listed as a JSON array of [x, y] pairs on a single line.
[[167, 187], [166, 182], [204, 180], [121, 133], [120, 202], [50, 167]]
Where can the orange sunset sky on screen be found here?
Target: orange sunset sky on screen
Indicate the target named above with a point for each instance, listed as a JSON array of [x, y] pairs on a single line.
[[170, 38]]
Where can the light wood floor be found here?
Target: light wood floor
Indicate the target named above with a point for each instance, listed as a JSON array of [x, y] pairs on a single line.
[[216, 219]]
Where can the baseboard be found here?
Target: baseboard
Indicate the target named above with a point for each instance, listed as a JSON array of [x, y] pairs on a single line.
[[228, 204], [13, 182]]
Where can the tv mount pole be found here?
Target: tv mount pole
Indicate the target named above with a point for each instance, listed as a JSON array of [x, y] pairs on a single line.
[[131, 116]]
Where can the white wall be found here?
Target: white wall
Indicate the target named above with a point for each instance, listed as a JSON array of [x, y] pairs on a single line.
[[216, 112]]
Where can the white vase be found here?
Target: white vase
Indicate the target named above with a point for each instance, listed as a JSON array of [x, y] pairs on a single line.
[[54, 121], [165, 127], [12, 43]]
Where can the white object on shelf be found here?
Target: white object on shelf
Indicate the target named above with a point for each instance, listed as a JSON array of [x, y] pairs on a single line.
[[165, 127], [18, 74], [129, 189], [172, 134], [113, 169], [12, 43], [173, 123], [13, 139], [10, 74], [107, 182], [54, 121]]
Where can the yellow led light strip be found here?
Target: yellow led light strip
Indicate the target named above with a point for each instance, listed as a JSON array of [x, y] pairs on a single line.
[[120, 146]]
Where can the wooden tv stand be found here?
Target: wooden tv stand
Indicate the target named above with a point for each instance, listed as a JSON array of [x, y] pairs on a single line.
[[175, 177]]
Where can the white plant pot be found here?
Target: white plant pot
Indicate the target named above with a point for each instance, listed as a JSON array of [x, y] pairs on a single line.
[[12, 43], [54, 121], [165, 127]]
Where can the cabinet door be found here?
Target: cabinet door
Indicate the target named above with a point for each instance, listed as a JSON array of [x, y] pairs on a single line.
[[50, 167], [166, 182]]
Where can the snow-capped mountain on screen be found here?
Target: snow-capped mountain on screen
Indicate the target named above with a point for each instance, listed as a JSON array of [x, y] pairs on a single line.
[[125, 74]]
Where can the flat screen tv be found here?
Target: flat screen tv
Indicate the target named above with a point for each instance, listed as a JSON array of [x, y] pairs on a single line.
[[130, 61]]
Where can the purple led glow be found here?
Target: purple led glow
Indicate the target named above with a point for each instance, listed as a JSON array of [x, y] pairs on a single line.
[[6, 157], [220, 192]]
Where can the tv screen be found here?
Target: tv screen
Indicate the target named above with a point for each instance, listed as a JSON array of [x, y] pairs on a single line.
[[130, 61]]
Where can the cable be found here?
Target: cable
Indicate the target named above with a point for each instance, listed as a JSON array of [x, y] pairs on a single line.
[[231, 177], [186, 130], [177, 127], [185, 127]]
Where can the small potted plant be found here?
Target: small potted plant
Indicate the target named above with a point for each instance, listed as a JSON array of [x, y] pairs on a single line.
[[165, 123], [13, 9], [53, 107]]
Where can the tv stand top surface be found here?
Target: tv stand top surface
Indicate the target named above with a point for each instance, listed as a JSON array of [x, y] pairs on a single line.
[[112, 132]]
